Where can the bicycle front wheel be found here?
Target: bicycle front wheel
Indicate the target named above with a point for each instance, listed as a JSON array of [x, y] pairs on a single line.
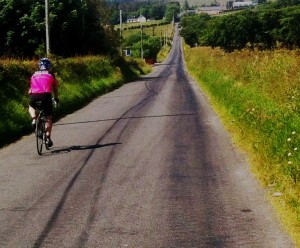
[[39, 133]]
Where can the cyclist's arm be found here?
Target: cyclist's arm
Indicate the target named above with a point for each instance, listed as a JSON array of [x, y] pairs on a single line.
[[55, 89], [55, 86]]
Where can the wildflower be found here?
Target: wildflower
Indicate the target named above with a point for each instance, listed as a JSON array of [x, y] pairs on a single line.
[[277, 194], [253, 109], [295, 149], [290, 154], [293, 133], [289, 139], [290, 162]]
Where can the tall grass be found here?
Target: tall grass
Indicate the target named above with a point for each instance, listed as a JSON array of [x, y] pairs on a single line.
[[80, 80], [152, 30], [257, 94]]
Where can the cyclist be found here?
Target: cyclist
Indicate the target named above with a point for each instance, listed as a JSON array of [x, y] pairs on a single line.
[[42, 84]]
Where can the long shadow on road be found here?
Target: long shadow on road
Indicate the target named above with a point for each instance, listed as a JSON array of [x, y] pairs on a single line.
[[124, 118], [59, 150]]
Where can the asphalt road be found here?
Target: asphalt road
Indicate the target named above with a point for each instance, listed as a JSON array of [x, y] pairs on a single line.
[[146, 166]]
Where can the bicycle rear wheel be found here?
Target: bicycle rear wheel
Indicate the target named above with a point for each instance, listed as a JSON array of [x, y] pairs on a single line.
[[39, 133]]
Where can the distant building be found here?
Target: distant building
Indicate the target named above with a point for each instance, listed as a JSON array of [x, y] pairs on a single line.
[[131, 20], [222, 7], [141, 18], [212, 10], [190, 11], [242, 5]]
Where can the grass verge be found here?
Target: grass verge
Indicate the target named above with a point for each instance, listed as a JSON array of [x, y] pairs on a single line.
[[257, 95]]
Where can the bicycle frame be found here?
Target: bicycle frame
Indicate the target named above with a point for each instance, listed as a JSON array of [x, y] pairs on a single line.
[[40, 130]]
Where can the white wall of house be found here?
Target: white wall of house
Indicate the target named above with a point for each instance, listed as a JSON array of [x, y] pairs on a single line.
[[142, 19]]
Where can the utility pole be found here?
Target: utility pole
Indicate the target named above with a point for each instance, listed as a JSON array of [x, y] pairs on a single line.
[[142, 52], [121, 52], [47, 27], [121, 24]]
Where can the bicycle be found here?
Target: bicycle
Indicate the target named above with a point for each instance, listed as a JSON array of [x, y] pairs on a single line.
[[40, 129]]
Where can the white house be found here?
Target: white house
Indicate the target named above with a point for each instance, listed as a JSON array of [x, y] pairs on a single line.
[[131, 20], [135, 20], [142, 19]]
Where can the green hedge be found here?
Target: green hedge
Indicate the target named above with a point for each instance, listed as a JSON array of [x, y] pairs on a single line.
[[81, 79]]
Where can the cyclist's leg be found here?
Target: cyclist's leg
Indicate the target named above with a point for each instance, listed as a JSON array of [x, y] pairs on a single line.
[[49, 125], [32, 112], [49, 142], [32, 106], [48, 113]]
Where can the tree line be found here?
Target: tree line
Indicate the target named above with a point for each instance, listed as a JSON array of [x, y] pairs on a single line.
[[154, 10], [77, 27], [266, 27]]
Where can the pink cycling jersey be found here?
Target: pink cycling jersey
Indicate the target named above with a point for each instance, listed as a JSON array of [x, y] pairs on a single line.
[[42, 82]]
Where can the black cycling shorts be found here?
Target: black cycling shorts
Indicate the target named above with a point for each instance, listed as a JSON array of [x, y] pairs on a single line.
[[46, 99]]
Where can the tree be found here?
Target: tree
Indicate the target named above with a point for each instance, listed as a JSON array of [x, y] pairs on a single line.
[[193, 28], [145, 11], [76, 27], [132, 39], [233, 31], [289, 32], [150, 45], [186, 5], [115, 17], [262, 27], [16, 28], [172, 10], [286, 3], [157, 11], [269, 23]]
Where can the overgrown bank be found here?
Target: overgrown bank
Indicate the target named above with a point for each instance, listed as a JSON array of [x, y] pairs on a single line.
[[257, 95], [81, 79]]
